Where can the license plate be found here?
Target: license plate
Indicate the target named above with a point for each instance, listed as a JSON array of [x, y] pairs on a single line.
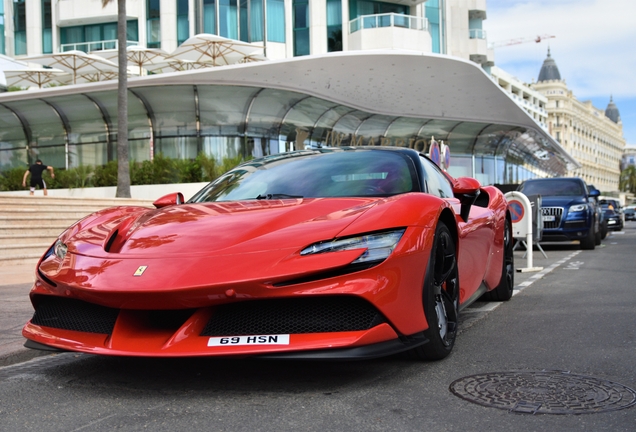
[[549, 218], [249, 340]]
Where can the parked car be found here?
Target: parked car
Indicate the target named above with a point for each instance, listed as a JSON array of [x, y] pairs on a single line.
[[568, 209], [324, 253], [614, 220], [630, 213]]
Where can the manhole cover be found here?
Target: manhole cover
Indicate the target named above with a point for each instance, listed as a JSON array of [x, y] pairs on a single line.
[[544, 392]]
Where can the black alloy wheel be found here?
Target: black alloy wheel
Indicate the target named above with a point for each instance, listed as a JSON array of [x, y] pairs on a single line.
[[441, 297], [503, 291]]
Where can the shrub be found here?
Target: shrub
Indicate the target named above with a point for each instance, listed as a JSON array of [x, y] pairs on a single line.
[[11, 179], [105, 175], [161, 170], [79, 177]]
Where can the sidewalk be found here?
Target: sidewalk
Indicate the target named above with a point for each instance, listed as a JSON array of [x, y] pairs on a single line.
[[16, 309]]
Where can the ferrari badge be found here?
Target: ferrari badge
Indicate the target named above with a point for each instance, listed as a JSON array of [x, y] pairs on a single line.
[[140, 271]]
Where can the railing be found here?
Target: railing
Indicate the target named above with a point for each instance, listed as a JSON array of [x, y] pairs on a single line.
[[477, 34], [94, 45], [388, 20]]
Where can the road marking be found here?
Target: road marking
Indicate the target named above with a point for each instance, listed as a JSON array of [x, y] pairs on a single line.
[[544, 272]]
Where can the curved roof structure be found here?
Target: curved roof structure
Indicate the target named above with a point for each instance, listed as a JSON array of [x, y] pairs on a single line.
[[364, 97], [549, 70]]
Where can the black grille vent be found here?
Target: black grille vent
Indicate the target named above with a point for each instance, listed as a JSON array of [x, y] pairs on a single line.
[[72, 314], [551, 217], [293, 316]]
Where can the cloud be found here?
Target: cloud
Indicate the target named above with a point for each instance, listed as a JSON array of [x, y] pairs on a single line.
[[593, 45]]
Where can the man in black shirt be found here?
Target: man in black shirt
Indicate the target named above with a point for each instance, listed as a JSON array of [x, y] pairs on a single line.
[[36, 171]]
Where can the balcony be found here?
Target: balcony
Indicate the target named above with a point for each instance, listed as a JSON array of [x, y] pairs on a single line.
[[94, 45], [478, 48], [477, 34], [389, 30]]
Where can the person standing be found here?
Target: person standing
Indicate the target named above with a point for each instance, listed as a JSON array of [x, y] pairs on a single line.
[[36, 171]]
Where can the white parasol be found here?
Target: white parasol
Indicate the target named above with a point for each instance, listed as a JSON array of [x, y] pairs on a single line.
[[77, 63], [139, 56], [214, 50], [29, 77]]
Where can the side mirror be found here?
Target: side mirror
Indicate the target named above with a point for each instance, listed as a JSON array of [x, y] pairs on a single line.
[[594, 193], [175, 198], [466, 185], [466, 190]]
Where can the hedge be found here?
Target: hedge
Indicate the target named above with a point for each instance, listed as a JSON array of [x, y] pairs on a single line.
[[160, 170]]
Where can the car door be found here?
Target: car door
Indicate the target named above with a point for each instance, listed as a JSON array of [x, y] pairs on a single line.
[[476, 235]]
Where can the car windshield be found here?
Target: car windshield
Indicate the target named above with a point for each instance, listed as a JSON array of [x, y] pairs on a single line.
[[561, 187], [306, 174]]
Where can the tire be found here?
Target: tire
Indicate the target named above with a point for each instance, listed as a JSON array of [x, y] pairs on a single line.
[[503, 291], [604, 230], [597, 238], [440, 297], [589, 242]]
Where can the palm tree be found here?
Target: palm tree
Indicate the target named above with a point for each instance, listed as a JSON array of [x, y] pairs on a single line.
[[123, 167], [628, 179]]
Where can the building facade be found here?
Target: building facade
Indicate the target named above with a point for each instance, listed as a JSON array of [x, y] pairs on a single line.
[[490, 137], [592, 136], [532, 101], [288, 28]]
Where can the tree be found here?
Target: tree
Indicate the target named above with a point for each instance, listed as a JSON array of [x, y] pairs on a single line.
[[628, 179], [123, 167]]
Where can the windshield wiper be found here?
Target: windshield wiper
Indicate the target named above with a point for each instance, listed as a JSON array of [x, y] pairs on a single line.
[[278, 195]]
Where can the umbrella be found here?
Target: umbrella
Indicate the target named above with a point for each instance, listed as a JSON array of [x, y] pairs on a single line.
[[89, 77], [253, 58], [76, 63], [139, 56], [28, 77], [214, 50], [176, 65]]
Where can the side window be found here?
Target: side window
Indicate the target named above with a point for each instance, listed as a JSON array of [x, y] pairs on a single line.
[[436, 182]]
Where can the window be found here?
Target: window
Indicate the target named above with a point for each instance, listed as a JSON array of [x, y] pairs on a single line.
[[19, 25], [2, 42], [334, 25], [433, 12], [95, 37], [276, 20], [47, 41], [153, 23], [365, 7], [436, 182], [183, 25], [301, 27], [209, 16]]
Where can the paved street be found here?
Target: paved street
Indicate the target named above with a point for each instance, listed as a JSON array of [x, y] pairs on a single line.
[[576, 316]]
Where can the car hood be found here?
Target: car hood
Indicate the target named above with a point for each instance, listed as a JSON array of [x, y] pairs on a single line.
[[561, 201], [210, 229]]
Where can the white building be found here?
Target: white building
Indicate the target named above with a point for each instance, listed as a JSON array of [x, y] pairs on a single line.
[[528, 98], [592, 136], [289, 28]]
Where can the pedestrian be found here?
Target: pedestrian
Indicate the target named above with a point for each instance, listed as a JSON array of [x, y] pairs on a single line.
[[36, 171]]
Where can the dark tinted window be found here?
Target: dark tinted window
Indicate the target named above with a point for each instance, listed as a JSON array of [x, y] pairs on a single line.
[[436, 182], [560, 187], [311, 174]]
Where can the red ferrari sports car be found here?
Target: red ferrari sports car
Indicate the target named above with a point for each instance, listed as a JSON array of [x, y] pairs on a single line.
[[331, 253]]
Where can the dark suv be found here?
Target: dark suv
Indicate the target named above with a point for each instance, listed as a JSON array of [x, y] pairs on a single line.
[[568, 208]]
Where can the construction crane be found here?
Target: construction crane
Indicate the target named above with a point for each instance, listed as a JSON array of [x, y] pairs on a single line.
[[517, 41]]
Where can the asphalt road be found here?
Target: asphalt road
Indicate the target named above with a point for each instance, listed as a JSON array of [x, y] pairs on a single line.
[[578, 317]]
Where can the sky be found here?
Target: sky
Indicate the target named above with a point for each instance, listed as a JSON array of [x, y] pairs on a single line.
[[594, 47]]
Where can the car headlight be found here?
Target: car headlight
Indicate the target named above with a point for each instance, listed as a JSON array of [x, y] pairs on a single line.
[[578, 208], [60, 249], [378, 245]]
